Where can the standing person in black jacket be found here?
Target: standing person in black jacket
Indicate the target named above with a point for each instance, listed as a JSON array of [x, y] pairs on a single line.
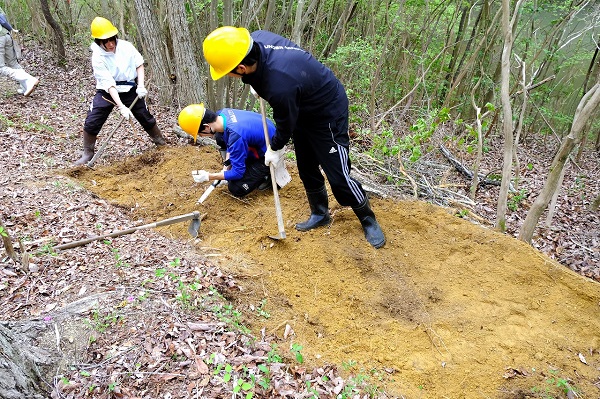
[[309, 105]]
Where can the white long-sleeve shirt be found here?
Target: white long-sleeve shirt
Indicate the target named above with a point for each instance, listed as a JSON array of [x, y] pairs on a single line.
[[121, 65]]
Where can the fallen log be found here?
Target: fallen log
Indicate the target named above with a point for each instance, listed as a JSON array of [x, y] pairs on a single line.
[[483, 179]]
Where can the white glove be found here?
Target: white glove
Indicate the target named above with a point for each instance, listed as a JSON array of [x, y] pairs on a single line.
[[273, 157], [200, 176], [141, 91], [126, 112], [15, 30]]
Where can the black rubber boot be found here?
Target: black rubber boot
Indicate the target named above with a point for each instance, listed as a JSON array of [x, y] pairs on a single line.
[[373, 232], [89, 144], [319, 211], [156, 136]]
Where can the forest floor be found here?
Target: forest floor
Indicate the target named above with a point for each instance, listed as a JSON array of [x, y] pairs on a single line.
[[448, 308]]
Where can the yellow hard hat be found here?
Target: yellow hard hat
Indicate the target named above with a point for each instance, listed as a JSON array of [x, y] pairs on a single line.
[[102, 28], [190, 118], [224, 49]]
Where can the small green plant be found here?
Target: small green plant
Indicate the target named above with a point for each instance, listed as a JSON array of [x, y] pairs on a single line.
[[462, 213], [515, 200], [313, 391], [242, 385], [261, 311], [265, 381], [3, 232], [46, 249], [101, 322], [555, 386], [230, 315], [348, 365], [296, 350], [291, 155], [118, 258], [112, 386], [273, 355]]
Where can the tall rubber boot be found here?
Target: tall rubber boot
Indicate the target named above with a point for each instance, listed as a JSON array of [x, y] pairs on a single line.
[[156, 136], [89, 145], [28, 82], [373, 232], [319, 210]]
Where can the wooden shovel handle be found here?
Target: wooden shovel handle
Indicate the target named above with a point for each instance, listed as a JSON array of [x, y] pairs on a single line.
[[272, 169]]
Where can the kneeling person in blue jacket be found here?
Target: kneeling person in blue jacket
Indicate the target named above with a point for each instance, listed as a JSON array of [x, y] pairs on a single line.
[[240, 133]]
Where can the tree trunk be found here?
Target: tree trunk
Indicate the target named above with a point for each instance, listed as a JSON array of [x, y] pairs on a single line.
[[189, 82], [585, 83], [21, 360], [153, 37], [58, 34], [507, 124], [585, 110], [334, 39]]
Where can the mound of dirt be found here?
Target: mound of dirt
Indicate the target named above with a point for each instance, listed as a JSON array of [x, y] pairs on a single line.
[[446, 309]]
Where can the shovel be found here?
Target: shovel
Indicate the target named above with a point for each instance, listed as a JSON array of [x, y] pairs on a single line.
[[192, 229], [98, 153], [281, 235], [208, 191]]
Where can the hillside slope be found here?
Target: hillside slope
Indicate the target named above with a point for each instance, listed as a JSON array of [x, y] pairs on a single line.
[[446, 309]]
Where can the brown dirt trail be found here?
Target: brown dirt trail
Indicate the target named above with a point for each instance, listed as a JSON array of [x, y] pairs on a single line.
[[446, 309]]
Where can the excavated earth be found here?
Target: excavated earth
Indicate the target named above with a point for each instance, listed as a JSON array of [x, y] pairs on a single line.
[[447, 309]]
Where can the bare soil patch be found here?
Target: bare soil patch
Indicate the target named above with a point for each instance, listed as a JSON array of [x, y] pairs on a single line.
[[447, 307]]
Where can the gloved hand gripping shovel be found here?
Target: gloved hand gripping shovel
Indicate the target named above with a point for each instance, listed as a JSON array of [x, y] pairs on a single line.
[[192, 229], [281, 235], [103, 146]]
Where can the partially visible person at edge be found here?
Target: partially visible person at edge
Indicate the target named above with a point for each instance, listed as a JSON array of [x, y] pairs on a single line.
[[9, 65], [309, 105], [240, 135], [119, 72]]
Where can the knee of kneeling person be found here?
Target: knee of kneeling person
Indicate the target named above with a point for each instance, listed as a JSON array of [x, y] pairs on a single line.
[[238, 190]]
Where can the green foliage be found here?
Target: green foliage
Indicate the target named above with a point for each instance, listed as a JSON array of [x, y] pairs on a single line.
[[260, 310], [462, 213], [355, 62], [46, 249], [273, 356], [348, 365], [515, 199], [100, 321], [555, 387], [422, 129], [361, 381], [243, 380], [3, 232], [296, 350], [230, 315]]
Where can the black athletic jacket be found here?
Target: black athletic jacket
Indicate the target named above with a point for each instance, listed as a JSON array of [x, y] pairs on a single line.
[[300, 89]]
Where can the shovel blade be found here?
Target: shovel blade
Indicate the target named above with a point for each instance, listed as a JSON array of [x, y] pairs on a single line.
[[194, 227], [280, 236]]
